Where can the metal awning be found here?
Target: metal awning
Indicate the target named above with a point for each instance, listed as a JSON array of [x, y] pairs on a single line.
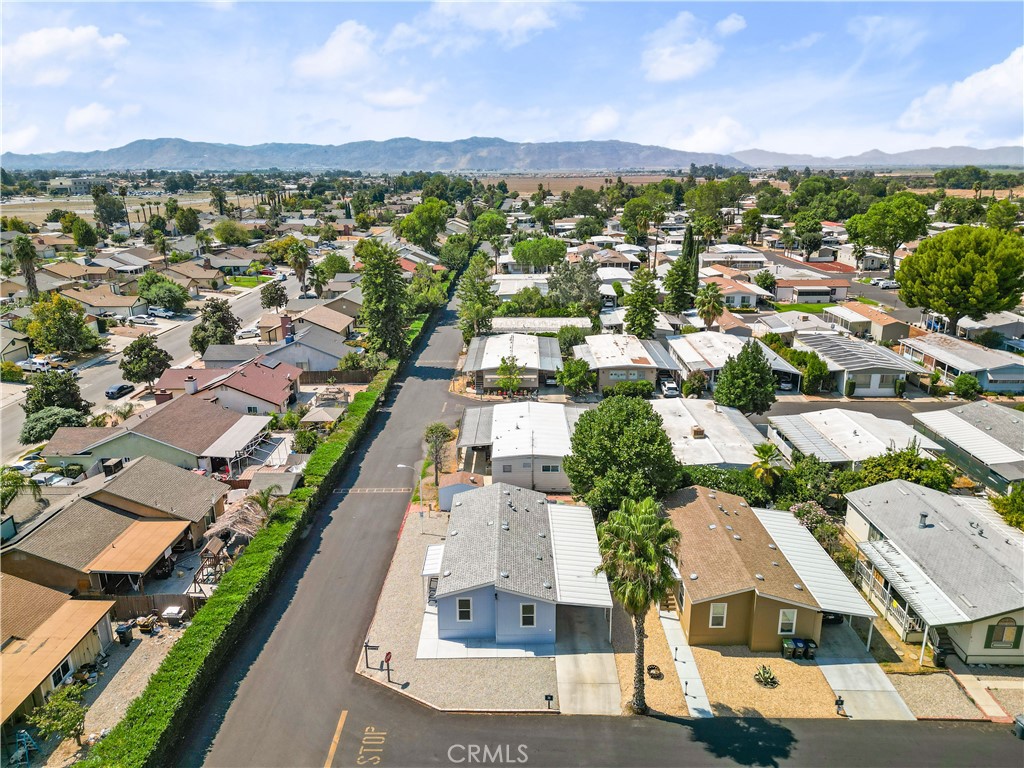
[[819, 572], [475, 431], [576, 556], [432, 560], [913, 585]]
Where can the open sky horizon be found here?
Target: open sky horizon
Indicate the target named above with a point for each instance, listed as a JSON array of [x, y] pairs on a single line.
[[818, 78]]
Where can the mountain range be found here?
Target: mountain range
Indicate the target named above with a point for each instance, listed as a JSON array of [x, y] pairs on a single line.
[[472, 154]]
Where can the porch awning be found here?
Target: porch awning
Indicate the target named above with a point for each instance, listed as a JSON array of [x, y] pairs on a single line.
[[432, 560], [913, 584], [139, 547], [576, 556]]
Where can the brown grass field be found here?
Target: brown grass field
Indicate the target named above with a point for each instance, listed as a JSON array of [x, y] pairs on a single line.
[[36, 210], [526, 184]]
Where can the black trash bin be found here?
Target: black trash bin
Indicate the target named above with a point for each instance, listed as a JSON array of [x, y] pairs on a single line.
[[124, 634], [939, 657], [809, 649]]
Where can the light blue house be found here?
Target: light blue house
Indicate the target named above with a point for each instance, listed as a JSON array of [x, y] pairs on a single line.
[[995, 369], [510, 559]]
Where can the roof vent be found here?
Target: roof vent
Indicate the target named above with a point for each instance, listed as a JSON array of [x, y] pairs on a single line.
[[447, 573], [736, 536], [798, 587], [693, 577], [508, 493], [743, 504], [728, 527], [922, 521], [547, 585], [772, 546], [504, 525], [458, 503], [721, 508], [504, 574], [540, 556], [775, 563], [490, 522], [712, 527], [542, 535], [759, 577]]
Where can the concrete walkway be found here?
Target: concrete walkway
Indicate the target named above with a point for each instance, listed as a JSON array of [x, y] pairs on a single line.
[[689, 676], [588, 683], [977, 689], [855, 676]]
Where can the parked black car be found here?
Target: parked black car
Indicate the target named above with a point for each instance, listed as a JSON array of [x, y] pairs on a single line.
[[118, 390]]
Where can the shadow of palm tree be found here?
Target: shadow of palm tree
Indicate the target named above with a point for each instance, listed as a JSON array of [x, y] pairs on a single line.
[[743, 736]]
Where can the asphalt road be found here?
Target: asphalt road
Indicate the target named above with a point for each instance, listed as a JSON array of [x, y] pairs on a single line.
[[290, 696], [96, 378]]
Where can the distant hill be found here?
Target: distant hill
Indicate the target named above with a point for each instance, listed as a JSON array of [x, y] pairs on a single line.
[[404, 154], [934, 157]]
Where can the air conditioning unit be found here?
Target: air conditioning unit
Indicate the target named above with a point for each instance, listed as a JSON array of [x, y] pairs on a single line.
[[696, 432]]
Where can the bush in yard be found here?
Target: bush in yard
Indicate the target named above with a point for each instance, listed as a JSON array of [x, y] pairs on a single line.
[[40, 426], [305, 441], [63, 713], [630, 389], [966, 387], [11, 372], [900, 387], [850, 388], [695, 384]]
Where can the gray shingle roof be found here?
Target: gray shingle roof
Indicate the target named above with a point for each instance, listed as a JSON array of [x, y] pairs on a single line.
[[482, 550], [76, 535], [157, 484]]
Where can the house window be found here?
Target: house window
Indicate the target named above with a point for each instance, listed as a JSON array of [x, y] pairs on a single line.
[[465, 609], [527, 615], [787, 621], [718, 611], [61, 672], [550, 468], [526, 465], [1004, 634], [616, 375], [506, 468], [887, 381], [252, 410]]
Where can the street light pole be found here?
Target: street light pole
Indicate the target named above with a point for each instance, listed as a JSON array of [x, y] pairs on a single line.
[[406, 466]]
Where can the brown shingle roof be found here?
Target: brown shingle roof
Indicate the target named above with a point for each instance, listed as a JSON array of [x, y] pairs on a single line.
[[870, 313], [461, 478], [196, 271], [71, 441], [327, 318], [726, 546], [170, 489], [188, 423], [101, 296], [24, 606]]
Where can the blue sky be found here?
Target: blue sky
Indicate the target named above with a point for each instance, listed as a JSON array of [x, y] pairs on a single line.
[[825, 78]]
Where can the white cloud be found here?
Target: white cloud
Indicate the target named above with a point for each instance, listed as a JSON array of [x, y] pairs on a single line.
[[62, 43], [397, 98], [893, 36], [88, 118], [19, 139], [678, 51], [601, 122], [51, 76], [803, 43], [348, 50], [462, 26], [730, 25], [990, 101]]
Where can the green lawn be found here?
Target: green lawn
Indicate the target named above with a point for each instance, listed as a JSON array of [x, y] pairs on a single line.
[[866, 300], [810, 309], [247, 281]]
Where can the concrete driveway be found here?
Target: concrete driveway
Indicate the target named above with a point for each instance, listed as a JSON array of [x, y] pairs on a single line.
[[855, 676], [588, 683]]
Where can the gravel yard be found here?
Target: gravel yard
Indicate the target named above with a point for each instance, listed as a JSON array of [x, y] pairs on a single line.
[[495, 684], [935, 695], [728, 675], [664, 696], [1010, 699]]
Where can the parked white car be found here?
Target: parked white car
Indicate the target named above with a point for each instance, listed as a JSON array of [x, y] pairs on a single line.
[[888, 284], [46, 478], [35, 366], [166, 314], [247, 333]]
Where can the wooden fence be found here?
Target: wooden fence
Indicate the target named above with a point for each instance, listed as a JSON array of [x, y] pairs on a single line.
[[338, 377], [130, 606]]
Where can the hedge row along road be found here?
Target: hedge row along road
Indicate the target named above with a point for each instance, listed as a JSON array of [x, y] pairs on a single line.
[[289, 695]]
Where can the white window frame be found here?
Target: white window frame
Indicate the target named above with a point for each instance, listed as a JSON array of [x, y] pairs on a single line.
[[795, 613], [506, 468], [458, 609], [711, 616], [533, 615], [550, 468], [70, 669]]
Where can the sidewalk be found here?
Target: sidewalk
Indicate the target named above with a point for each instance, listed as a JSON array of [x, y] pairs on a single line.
[[686, 667], [978, 689]]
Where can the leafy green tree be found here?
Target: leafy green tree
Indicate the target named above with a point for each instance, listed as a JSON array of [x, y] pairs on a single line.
[[384, 298], [587, 227], [638, 546], [1011, 506], [273, 295], [965, 272], [710, 304], [426, 289], [642, 304], [510, 374], [187, 220], [423, 224], [231, 233], [437, 436], [59, 326], [966, 387], [695, 383], [636, 218], [765, 279], [766, 468], [477, 302], [489, 225], [161, 291], [336, 263], [26, 257], [544, 216], [815, 374], [305, 441], [108, 210], [575, 285], [218, 200], [143, 361], [454, 254], [680, 288], [40, 426], [890, 223], [753, 222], [539, 253], [54, 388], [809, 479], [1002, 215], [576, 376], [9, 371], [62, 714], [84, 235], [570, 336], [746, 382], [216, 325], [903, 464], [620, 450]]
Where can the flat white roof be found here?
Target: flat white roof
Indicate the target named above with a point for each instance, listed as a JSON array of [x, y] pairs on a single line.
[[530, 429], [613, 318], [237, 437], [853, 435], [847, 314], [729, 437], [576, 556], [432, 560], [709, 351], [609, 274], [618, 350], [978, 443], [819, 572]]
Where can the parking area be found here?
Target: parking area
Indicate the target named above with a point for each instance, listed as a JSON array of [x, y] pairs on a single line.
[[588, 683]]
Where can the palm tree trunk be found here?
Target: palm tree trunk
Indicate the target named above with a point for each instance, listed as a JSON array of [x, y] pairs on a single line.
[[639, 703]]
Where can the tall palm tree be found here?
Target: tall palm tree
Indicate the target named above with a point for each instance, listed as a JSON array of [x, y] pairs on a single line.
[[266, 501], [160, 246], [26, 256], [12, 482], [766, 468], [298, 259], [318, 279], [123, 192], [709, 304], [637, 547]]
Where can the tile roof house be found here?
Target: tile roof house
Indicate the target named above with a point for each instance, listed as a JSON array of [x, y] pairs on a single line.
[[509, 561], [930, 559], [737, 583], [257, 386], [46, 636]]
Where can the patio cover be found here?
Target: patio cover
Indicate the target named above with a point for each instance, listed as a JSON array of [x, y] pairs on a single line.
[[576, 555], [819, 572], [228, 445], [139, 547], [923, 594]]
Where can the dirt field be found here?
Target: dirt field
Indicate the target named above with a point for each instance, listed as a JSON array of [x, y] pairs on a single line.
[[664, 696], [35, 209]]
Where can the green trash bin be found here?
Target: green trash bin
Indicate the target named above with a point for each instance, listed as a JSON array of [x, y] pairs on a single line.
[[787, 648]]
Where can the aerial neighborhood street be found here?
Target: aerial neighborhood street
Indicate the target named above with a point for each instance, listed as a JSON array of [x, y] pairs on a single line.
[[608, 443]]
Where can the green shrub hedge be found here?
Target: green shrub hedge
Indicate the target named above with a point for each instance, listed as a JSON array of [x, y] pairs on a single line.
[[157, 719]]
